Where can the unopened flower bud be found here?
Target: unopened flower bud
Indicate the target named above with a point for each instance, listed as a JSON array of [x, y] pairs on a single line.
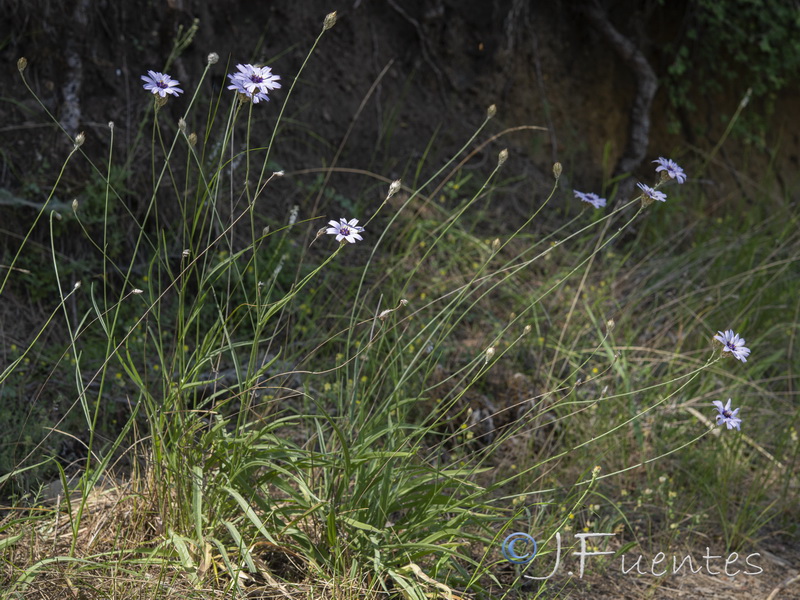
[[557, 170], [265, 231], [75, 205], [502, 157], [213, 58], [79, 139], [596, 471], [489, 354], [192, 139], [22, 63], [496, 245], [111, 125], [182, 125], [394, 187], [330, 21], [610, 325], [527, 330], [491, 111], [77, 285]]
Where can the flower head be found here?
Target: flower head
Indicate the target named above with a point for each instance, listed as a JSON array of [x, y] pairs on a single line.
[[726, 415], [591, 198], [651, 194], [254, 82], [671, 168], [161, 84], [731, 342], [344, 230]]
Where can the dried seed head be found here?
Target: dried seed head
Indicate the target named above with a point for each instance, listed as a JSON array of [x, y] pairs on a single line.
[[213, 58], [182, 125], [394, 187], [79, 139], [137, 291], [491, 111], [22, 63], [186, 253], [403, 302], [527, 330], [385, 314], [279, 173], [192, 139], [330, 21], [557, 170], [502, 157], [111, 125], [75, 205], [77, 285]]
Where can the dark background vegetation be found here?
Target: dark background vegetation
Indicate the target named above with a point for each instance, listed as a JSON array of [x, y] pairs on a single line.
[[396, 84]]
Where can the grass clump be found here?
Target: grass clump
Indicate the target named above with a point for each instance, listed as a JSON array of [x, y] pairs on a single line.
[[262, 410]]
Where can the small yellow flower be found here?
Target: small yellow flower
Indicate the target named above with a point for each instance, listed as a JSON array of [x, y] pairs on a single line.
[[326, 387], [571, 516], [595, 370], [363, 379], [156, 367], [423, 295]]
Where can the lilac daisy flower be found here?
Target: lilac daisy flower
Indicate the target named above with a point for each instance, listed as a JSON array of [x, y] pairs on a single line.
[[731, 342], [671, 168], [161, 84], [591, 198], [726, 415], [254, 82], [344, 230], [651, 193]]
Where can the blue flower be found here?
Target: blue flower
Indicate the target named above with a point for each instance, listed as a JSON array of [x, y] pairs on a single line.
[[344, 230], [733, 343], [671, 168], [161, 84], [726, 415], [652, 194], [254, 82], [591, 198]]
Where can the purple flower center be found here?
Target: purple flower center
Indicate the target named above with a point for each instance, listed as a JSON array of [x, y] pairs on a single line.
[[727, 414], [162, 84], [345, 231], [732, 346], [256, 79]]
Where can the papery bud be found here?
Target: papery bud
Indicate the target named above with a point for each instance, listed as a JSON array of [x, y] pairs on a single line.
[[111, 125], [213, 58], [192, 139], [527, 330], [279, 173], [75, 205], [491, 111], [137, 291], [330, 21], [502, 157], [745, 101], [557, 170], [610, 325], [489, 354], [186, 253], [394, 187], [596, 471], [79, 139], [496, 245], [382, 316], [22, 63], [265, 231], [77, 285], [403, 302], [182, 125]]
